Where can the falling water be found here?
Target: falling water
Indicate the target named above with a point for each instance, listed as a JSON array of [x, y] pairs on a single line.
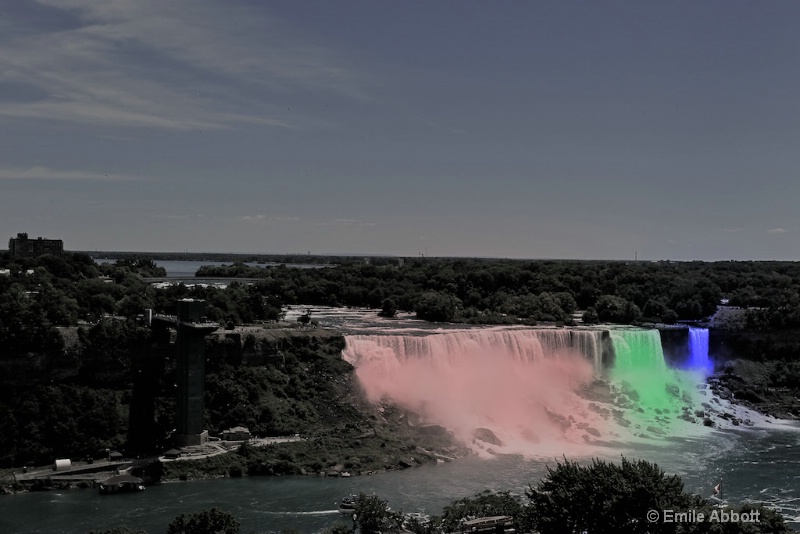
[[698, 351], [640, 367], [522, 384]]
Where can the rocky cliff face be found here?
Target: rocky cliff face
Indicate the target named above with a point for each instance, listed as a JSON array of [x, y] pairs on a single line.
[[255, 345]]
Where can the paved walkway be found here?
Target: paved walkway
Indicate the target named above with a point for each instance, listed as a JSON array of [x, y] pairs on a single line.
[[215, 448]]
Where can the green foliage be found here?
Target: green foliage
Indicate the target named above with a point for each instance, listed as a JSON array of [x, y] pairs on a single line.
[[141, 266], [605, 498], [437, 307], [590, 316], [61, 421], [211, 521], [388, 308], [490, 290], [66, 289], [372, 515], [611, 309]]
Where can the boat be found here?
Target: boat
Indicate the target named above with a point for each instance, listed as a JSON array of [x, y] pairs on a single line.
[[416, 519], [348, 504], [121, 484], [495, 524]]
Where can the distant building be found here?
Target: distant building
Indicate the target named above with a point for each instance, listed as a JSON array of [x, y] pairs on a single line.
[[22, 247], [237, 433]]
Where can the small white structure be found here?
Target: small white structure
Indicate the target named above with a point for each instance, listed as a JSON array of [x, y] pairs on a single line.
[[62, 464]]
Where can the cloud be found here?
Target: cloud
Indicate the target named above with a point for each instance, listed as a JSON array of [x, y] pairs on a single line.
[[776, 231], [45, 173], [253, 218], [733, 230], [177, 65]]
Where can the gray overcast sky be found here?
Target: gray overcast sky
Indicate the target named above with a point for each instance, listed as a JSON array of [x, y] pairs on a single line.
[[511, 129]]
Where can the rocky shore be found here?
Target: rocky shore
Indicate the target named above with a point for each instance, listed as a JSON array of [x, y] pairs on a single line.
[[764, 387]]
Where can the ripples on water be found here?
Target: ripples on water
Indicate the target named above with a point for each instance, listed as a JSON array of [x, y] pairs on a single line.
[[752, 465]]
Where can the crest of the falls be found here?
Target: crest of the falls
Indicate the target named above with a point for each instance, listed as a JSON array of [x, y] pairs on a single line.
[[523, 345]]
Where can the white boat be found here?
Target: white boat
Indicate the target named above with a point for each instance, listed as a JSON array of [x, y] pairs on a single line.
[[348, 504]]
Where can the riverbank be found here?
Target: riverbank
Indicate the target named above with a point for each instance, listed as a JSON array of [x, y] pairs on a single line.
[[770, 388], [385, 440]]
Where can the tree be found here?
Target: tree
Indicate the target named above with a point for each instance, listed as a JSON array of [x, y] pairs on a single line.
[[612, 309], [388, 308], [605, 498], [372, 515], [590, 316], [211, 521], [437, 307]]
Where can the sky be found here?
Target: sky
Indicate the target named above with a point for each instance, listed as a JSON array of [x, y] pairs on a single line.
[[548, 129]]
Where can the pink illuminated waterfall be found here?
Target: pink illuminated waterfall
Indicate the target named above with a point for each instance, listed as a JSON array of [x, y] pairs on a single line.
[[521, 384]]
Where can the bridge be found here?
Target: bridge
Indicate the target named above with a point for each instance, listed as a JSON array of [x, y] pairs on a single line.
[[199, 280], [172, 320]]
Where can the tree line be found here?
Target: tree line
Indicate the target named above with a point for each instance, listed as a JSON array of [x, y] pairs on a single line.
[[497, 291], [39, 294]]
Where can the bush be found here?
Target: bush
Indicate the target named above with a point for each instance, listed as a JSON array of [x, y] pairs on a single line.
[[604, 498], [372, 515], [211, 521], [590, 316]]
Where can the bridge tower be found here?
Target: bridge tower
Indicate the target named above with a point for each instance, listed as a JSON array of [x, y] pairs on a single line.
[[191, 374]]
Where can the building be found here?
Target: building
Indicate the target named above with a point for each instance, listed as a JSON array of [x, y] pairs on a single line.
[[22, 247], [121, 484], [237, 433]]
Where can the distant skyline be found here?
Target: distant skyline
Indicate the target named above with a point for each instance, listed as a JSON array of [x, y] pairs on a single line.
[[586, 130]]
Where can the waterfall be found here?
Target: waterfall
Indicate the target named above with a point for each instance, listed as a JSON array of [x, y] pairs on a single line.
[[521, 384], [698, 351], [533, 388], [641, 371], [638, 350], [528, 345]]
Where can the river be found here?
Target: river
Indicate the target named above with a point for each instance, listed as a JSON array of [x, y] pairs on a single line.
[[753, 465], [758, 464], [186, 269]]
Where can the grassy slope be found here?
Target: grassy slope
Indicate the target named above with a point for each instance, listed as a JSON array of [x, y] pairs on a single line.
[[307, 389]]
